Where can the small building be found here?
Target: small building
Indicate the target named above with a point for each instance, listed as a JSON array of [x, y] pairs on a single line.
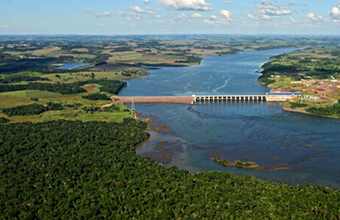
[[282, 96]]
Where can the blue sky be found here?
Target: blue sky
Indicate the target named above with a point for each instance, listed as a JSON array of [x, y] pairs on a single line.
[[115, 17]]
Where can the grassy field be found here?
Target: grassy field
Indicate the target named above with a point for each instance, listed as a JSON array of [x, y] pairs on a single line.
[[48, 52], [86, 56], [8, 101], [73, 104], [83, 76], [103, 116], [19, 119], [134, 57]]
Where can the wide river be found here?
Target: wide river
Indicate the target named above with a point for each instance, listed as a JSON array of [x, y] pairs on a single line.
[[290, 147]]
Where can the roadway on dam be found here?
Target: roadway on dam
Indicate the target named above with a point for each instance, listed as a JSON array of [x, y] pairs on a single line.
[[154, 99]]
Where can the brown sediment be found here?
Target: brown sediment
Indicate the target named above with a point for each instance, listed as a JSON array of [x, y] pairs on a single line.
[[154, 99], [154, 124], [165, 151]]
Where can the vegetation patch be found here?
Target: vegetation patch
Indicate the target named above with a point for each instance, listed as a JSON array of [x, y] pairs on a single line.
[[4, 120], [71, 169], [96, 96], [33, 109], [110, 86], [328, 111], [294, 105], [237, 163], [7, 101]]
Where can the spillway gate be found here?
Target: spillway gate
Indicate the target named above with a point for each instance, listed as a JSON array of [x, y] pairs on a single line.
[[226, 98]]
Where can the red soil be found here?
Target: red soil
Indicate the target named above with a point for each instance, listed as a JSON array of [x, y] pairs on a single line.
[[90, 88]]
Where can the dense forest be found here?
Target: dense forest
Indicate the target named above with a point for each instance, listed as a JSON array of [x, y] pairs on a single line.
[[15, 79], [76, 170], [33, 109], [96, 96]]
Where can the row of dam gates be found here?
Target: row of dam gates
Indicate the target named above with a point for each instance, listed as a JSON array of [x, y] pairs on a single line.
[[268, 97]]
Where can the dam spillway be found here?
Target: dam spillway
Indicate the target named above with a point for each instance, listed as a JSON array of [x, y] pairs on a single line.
[[225, 98]]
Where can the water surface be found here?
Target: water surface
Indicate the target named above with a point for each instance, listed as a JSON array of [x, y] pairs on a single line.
[[69, 66], [308, 146]]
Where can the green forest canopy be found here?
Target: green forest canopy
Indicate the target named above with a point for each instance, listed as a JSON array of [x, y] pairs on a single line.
[[77, 170]]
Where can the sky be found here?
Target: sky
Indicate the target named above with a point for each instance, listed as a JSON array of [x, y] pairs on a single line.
[[125, 17]]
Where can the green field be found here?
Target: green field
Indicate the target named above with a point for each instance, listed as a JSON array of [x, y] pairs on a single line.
[[12, 99], [48, 52]]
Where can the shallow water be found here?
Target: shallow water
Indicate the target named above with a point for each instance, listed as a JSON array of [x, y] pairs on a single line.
[[248, 131]]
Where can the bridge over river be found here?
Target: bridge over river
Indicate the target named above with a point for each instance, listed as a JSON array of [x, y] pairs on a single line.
[[205, 98]]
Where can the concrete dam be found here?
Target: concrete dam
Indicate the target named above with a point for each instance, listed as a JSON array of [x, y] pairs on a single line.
[[269, 97]]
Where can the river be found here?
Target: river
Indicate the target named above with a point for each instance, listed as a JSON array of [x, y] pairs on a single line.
[[300, 148]]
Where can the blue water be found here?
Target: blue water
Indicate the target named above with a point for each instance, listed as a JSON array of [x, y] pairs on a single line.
[[248, 131], [69, 66]]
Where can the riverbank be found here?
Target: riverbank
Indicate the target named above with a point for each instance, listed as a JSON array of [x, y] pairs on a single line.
[[311, 71]]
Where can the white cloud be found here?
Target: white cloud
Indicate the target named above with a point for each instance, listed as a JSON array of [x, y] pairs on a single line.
[[145, 1], [292, 3], [183, 16], [159, 21], [213, 17], [137, 9], [267, 10], [157, 16], [227, 14], [227, 2], [196, 5], [130, 16], [4, 26], [101, 25], [335, 12], [97, 14], [311, 17], [196, 15], [210, 22], [292, 19], [251, 16]]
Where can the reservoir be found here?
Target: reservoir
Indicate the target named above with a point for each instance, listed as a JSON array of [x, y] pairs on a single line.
[[69, 66], [290, 147]]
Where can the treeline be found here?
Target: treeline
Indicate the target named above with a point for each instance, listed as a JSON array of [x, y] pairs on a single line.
[[4, 120], [110, 86], [15, 79], [190, 59], [76, 170], [13, 66], [96, 96], [62, 88], [275, 69], [33, 109], [122, 49]]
